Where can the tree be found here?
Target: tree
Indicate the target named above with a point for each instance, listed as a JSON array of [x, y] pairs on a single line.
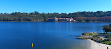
[[31, 13], [107, 28], [1, 13], [36, 12], [81, 20], [88, 20], [109, 36]]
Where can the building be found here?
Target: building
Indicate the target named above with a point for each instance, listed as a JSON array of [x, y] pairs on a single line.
[[55, 19]]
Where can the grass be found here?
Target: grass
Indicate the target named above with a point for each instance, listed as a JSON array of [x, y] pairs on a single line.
[[91, 34], [106, 42]]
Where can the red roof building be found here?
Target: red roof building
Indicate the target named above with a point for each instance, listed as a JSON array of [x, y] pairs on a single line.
[[61, 19]]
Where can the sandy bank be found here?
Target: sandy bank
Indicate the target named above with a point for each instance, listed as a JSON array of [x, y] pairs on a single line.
[[95, 45]]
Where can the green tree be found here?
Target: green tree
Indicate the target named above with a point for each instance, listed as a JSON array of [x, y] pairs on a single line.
[[88, 20], [109, 36], [81, 20], [107, 28]]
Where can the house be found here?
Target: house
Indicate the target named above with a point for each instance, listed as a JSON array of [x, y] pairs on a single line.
[[55, 19]]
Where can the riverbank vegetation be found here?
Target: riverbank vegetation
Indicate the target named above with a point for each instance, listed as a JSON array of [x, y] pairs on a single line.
[[104, 38], [101, 16], [108, 40]]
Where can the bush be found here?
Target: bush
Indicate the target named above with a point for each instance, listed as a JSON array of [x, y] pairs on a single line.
[[106, 42], [109, 36]]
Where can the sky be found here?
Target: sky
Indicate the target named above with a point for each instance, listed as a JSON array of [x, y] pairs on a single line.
[[52, 6]]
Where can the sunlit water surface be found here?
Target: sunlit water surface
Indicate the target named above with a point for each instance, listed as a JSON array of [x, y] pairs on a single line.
[[46, 35]]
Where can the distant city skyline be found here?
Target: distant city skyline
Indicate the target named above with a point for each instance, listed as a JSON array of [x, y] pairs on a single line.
[[52, 6]]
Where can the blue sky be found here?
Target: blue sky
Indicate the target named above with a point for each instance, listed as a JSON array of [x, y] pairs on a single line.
[[51, 6]]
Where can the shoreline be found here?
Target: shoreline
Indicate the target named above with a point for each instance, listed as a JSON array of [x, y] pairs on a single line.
[[95, 45]]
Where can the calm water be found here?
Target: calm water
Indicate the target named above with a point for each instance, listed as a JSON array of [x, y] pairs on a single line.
[[45, 35]]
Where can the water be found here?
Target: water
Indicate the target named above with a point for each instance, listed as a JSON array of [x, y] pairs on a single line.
[[45, 35]]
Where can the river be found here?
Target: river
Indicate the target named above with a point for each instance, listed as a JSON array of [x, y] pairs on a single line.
[[46, 35]]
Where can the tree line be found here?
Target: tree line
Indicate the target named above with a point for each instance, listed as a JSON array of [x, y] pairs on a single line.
[[36, 16]]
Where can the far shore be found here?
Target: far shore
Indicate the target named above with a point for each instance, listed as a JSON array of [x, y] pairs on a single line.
[[95, 45], [33, 21]]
